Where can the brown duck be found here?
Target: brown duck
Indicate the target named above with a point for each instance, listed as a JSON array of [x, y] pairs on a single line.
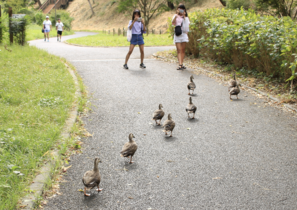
[[168, 125], [234, 91], [232, 82], [191, 108], [129, 148], [191, 85], [158, 114], [92, 178]]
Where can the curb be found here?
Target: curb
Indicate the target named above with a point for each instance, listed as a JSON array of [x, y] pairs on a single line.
[[39, 182], [77, 45], [253, 89]]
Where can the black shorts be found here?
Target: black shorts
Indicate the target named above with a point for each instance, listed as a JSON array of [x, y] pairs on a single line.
[[60, 32]]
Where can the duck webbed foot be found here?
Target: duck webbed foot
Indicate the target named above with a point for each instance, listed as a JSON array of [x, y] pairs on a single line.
[[86, 194]]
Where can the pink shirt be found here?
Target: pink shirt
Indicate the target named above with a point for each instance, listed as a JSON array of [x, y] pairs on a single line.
[[178, 20]]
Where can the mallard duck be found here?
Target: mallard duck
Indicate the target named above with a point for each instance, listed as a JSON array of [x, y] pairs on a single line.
[[168, 125], [234, 91], [92, 178], [191, 108], [191, 85], [158, 114], [129, 148], [232, 82]]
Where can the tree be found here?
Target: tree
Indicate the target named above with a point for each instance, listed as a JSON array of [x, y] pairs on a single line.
[[93, 13], [148, 8], [223, 2], [278, 7]]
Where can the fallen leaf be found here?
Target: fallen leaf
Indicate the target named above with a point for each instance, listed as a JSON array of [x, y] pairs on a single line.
[[139, 112], [217, 178], [157, 176], [188, 128], [130, 197], [66, 168], [80, 190], [170, 161], [45, 153]]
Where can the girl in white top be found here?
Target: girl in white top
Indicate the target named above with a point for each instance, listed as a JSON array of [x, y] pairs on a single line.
[[47, 27], [181, 19]]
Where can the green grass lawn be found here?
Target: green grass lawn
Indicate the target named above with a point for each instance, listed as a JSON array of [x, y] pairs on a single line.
[[107, 40], [34, 32], [36, 93]]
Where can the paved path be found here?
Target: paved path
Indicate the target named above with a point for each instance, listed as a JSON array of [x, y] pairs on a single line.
[[237, 155]]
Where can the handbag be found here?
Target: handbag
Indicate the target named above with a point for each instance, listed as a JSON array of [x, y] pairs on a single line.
[[178, 30], [42, 30], [129, 35]]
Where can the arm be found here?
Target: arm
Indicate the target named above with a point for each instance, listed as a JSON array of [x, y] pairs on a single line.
[[144, 28], [174, 20], [130, 27], [56, 27]]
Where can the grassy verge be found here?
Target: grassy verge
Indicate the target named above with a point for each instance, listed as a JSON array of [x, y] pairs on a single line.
[[34, 32], [254, 79], [35, 98], [108, 40]]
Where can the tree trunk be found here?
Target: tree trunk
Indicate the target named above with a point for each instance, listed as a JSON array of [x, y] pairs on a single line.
[[170, 5], [39, 3], [223, 2], [93, 13]]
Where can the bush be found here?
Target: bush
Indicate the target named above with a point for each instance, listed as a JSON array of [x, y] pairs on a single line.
[[38, 18], [237, 4], [245, 39]]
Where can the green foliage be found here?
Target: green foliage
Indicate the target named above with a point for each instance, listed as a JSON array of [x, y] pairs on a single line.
[[18, 28], [126, 6], [245, 39], [35, 97], [38, 18], [277, 7], [65, 19], [237, 4]]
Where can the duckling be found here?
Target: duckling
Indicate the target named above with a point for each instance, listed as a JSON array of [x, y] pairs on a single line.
[[129, 148], [232, 82], [168, 125], [191, 85], [158, 114], [191, 108], [234, 91], [92, 178]]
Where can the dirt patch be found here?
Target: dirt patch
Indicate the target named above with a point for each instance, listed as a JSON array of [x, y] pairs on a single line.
[[106, 17]]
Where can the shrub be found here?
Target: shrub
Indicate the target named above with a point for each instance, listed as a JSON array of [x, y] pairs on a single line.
[[38, 18], [243, 38]]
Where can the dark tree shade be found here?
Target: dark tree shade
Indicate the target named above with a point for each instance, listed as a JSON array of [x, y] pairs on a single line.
[[223, 2]]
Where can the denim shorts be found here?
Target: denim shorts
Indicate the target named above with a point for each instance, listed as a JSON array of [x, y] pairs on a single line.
[[46, 31], [137, 39]]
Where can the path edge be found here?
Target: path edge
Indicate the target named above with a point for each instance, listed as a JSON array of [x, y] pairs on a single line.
[[39, 182], [222, 76]]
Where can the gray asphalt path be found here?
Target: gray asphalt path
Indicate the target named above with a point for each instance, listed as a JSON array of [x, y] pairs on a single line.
[[236, 155]]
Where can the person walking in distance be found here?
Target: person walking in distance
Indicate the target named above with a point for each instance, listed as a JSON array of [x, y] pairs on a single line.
[[47, 27], [60, 29], [181, 22], [137, 26]]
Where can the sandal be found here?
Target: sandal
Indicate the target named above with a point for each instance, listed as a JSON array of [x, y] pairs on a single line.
[[183, 66], [180, 67]]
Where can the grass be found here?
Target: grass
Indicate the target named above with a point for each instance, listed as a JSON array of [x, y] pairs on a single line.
[[34, 32], [108, 40], [35, 98]]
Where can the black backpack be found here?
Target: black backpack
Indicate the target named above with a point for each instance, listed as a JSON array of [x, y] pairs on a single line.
[[178, 30]]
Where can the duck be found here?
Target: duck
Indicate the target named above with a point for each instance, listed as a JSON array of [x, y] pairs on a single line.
[[129, 148], [234, 91], [191, 85], [168, 125], [92, 178], [232, 82], [191, 108], [158, 114]]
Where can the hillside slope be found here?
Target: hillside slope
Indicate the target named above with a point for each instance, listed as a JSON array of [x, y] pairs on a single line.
[[106, 16]]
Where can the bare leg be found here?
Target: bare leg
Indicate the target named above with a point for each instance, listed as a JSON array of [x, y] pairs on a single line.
[[85, 192], [179, 52], [183, 52], [131, 160], [129, 53], [141, 48]]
